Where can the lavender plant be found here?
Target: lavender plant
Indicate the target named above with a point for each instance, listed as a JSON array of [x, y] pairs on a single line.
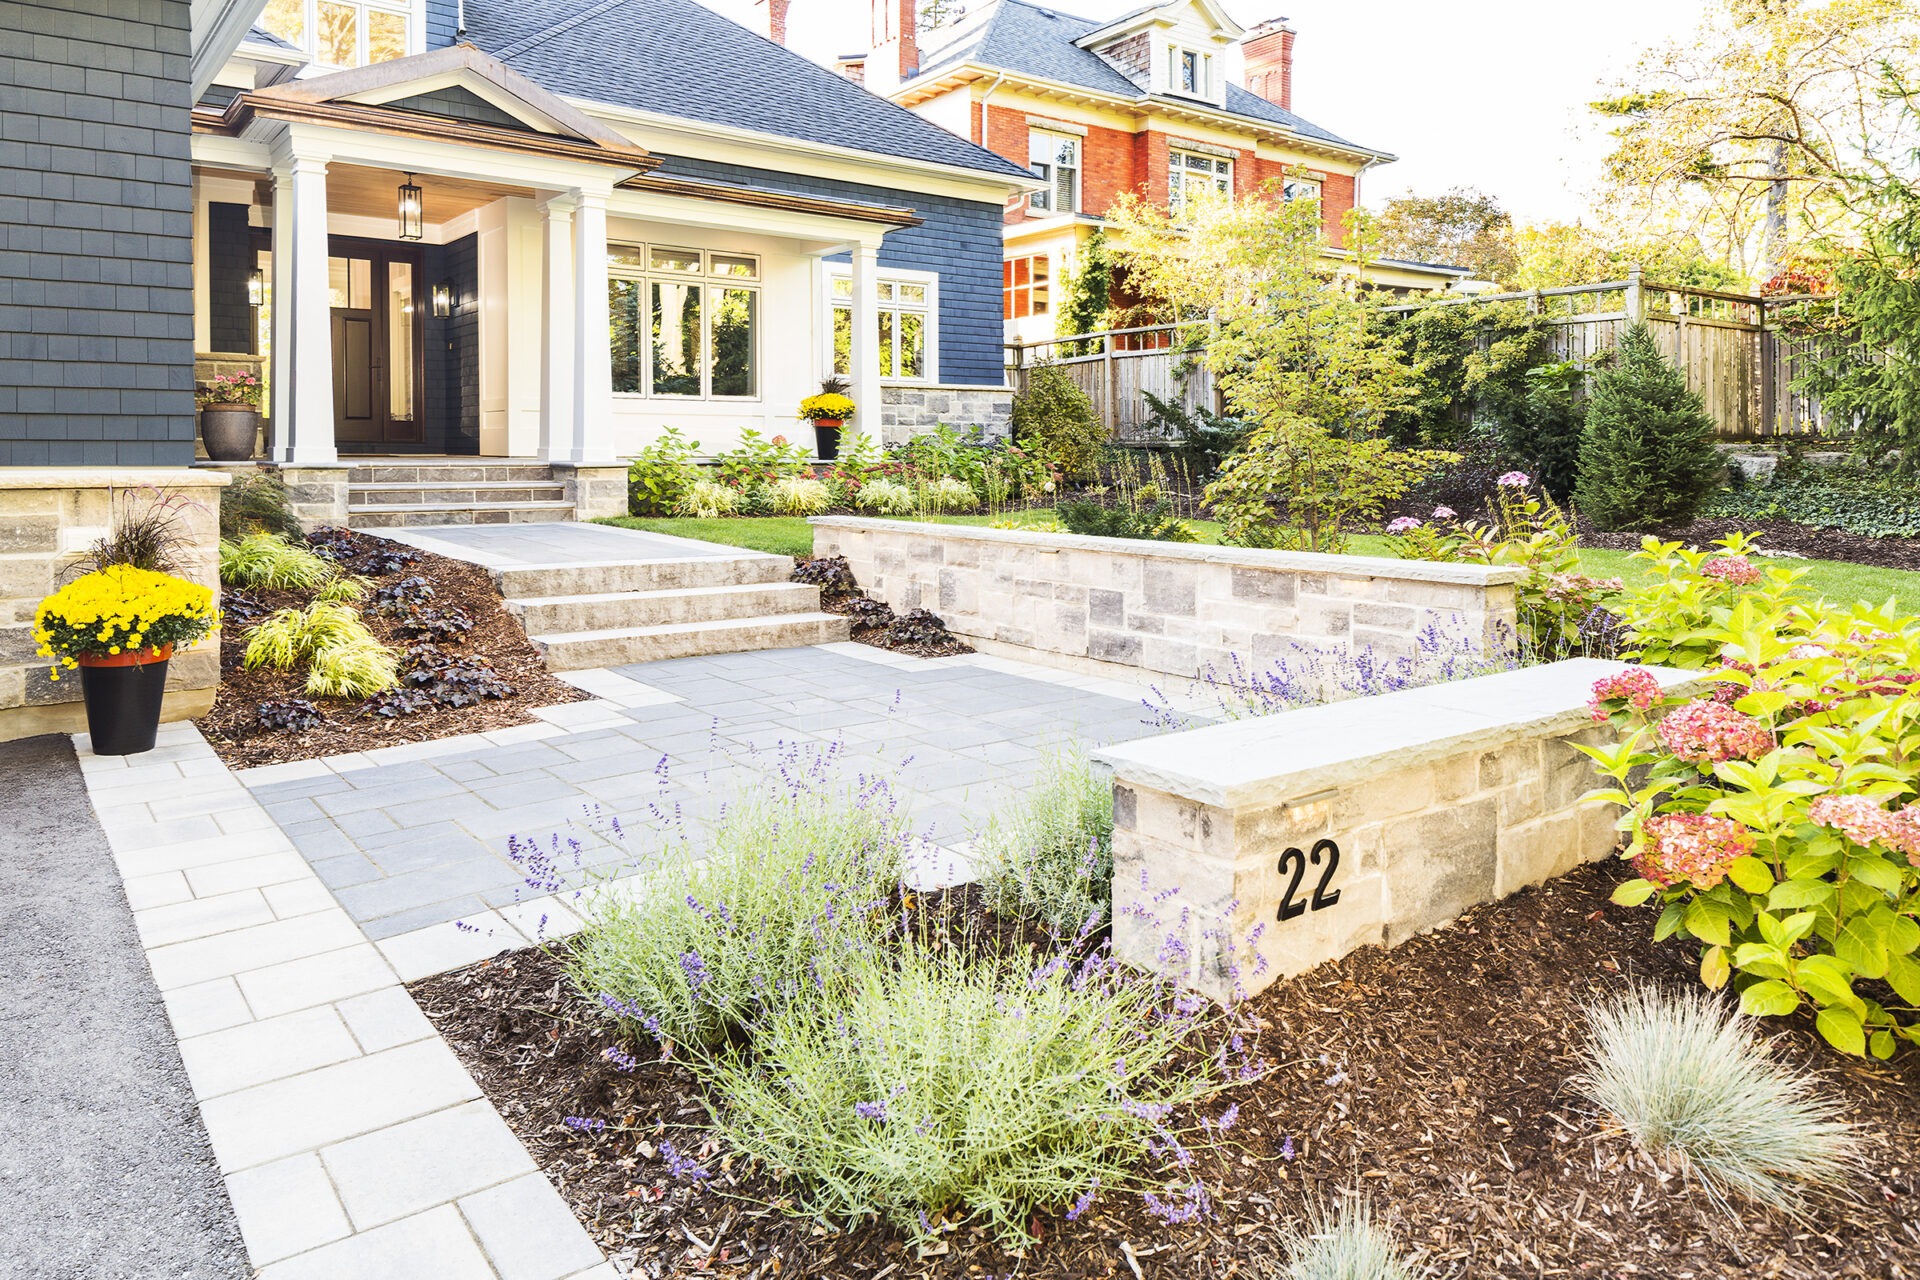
[[1049, 856]]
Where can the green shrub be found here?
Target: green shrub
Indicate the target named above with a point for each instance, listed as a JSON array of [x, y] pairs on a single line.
[[1049, 857], [357, 670], [348, 588], [934, 1083], [951, 494], [798, 496], [268, 560], [1055, 420], [1346, 1243], [758, 460], [708, 500], [1872, 502], [714, 939], [343, 658], [884, 497], [1540, 422], [1683, 1077], [257, 503], [1646, 453], [661, 473], [1152, 518]]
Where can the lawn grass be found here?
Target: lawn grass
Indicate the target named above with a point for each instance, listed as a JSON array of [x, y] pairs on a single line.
[[792, 536]]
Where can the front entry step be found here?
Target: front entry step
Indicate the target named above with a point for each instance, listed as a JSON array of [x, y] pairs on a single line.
[[389, 515], [548, 615], [390, 493], [577, 650]]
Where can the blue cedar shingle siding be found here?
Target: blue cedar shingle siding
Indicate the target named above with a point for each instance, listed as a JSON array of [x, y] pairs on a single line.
[[959, 239], [463, 361], [456, 103], [230, 261], [443, 20], [96, 291]]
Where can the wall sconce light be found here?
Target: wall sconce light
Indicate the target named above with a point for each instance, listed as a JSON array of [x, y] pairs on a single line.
[[412, 211], [256, 288], [443, 299]]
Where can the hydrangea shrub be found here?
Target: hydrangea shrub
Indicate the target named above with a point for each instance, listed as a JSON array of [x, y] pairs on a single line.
[[1775, 816]]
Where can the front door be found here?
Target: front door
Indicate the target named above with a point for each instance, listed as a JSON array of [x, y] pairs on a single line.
[[376, 343]]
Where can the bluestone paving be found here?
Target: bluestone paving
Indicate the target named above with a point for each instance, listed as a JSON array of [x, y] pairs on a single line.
[[422, 841]]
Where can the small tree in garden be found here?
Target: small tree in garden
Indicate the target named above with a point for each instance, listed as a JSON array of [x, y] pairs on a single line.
[[1089, 294], [1646, 454], [1054, 419], [1296, 350]]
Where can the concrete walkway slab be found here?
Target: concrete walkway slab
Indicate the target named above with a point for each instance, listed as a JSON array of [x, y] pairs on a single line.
[[509, 546]]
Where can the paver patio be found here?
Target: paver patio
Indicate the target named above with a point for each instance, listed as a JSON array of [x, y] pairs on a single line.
[[419, 836]]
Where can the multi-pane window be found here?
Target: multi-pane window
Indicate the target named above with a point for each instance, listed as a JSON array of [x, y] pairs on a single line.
[[1054, 158], [1301, 188], [683, 322], [343, 33], [907, 309], [1190, 72], [1190, 175], [1026, 287]]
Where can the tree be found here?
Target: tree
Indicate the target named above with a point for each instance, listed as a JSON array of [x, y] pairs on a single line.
[[938, 13], [1646, 455], [1088, 291], [1739, 136], [1463, 227], [1296, 350], [1549, 255]]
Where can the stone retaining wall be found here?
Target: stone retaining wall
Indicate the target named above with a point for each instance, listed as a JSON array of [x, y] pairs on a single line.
[[906, 412], [1163, 606], [48, 517], [1293, 839]]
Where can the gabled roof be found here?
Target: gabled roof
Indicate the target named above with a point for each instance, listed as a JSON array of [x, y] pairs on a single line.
[[678, 58], [1027, 39]]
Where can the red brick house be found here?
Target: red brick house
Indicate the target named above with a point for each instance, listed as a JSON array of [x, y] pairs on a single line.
[[1146, 103]]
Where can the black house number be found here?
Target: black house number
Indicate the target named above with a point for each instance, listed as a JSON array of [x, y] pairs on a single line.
[[1326, 853]]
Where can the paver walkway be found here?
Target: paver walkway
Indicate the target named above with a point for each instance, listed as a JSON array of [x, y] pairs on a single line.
[[416, 837], [505, 546]]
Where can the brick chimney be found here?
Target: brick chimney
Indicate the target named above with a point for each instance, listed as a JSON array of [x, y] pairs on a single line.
[[770, 19], [896, 44], [1268, 49]]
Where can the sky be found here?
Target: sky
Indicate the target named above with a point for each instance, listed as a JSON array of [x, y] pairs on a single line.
[[1480, 93]]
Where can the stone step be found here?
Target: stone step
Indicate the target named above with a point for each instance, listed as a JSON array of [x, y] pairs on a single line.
[[398, 514], [535, 581], [465, 470], [447, 493], [577, 650], [542, 615]]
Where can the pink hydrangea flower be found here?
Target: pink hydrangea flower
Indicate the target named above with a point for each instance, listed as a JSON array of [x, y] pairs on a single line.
[[1735, 571], [1708, 732], [1808, 650], [1694, 848], [1405, 524], [1443, 513], [1636, 684], [1514, 480], [1864, 822]]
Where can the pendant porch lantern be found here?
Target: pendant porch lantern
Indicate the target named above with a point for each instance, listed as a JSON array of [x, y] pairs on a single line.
[[412, 211]]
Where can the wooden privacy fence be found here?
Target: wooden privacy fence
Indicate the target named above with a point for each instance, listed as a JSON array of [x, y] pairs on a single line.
[[1734, 353]]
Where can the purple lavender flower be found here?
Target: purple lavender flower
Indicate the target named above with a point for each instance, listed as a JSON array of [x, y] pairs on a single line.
[[584, 1124], [875, 1111], [1227, 1118], [1083, 1202], [620, 1058], [696, 970], [1286, 1149], [681, 1166]]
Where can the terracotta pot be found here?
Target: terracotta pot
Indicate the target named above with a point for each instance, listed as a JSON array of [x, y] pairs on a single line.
[[228, 431], [123, 692], [826, 438]]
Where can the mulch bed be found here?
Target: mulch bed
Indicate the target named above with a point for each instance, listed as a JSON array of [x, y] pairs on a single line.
[[1431, 1079], [1778, 535], [233, 726]]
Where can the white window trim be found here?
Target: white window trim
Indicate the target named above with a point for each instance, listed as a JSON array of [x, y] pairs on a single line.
[[1209, 67], [415, 12], [823, 285], [1079, 170], [1177, 149], [1319, 187], [708, 280]]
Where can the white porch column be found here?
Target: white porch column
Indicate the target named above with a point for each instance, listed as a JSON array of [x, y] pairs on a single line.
[[557, 344], [592, 350], [282, 315], [307, 433], [864, 355]]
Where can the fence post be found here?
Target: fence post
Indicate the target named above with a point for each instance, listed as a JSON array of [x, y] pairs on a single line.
[[1107, 377], [1636, 305]]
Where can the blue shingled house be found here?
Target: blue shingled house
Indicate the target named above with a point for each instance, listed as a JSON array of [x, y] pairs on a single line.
[[539, 232]]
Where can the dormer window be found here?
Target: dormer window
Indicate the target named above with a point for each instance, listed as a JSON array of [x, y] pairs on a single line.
[[1190, 72]]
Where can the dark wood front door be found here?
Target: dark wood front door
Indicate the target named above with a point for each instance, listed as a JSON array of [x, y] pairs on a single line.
[[377, 352]]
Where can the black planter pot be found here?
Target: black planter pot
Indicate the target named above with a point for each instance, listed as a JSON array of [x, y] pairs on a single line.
[[228, 431], [826, 439], [123, 705]]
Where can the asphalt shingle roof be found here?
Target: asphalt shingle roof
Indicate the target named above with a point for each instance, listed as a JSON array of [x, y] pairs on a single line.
[[1032, 40], [679, 58]]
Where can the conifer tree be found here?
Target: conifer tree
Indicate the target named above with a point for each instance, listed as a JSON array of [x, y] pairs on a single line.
[[1646, 455]]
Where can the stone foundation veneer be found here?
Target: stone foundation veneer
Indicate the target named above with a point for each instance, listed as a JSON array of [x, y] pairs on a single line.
[[908, 411], [595, 491], [1434, 799], [317, 496], [48, 517], [1163, 606]]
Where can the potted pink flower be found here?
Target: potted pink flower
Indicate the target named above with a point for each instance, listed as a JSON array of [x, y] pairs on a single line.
[[230, 415]]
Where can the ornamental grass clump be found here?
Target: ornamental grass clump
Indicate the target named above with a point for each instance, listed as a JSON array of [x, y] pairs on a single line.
[[729, 928], [934, 1085], [1682, 1075], [798, 496], [707, 500], [884, 497], [121, 610], [1345, 1243], [268, 560], [1049, 856], [343, 658]]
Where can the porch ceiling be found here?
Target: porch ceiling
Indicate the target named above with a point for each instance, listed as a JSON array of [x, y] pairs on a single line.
[[372, 192]]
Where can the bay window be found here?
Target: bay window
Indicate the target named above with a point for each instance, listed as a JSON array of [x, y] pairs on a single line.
[[684, 323], [908, 324]]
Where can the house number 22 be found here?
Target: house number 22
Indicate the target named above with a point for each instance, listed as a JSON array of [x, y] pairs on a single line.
[[1325, 852]]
